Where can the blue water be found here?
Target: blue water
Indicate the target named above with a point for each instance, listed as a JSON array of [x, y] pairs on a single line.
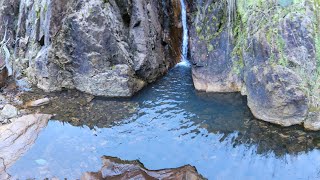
[[168, 125], [174, 125]]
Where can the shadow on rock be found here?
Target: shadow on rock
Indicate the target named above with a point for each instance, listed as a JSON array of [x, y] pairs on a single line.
[[115, 168], [17, 138]]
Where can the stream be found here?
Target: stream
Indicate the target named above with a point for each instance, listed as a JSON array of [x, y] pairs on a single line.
[[166, 125]]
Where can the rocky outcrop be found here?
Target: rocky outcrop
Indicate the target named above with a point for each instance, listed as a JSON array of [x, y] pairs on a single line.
[[267, 51], [115, 168], [17, 137], [105, 48], [211, 47]]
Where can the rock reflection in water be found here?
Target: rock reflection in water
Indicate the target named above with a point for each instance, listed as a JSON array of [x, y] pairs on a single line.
[[17, 137], [117, 169], [252, 132]]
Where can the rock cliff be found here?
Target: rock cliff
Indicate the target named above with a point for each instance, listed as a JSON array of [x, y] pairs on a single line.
[[101, 47], [267, 50]]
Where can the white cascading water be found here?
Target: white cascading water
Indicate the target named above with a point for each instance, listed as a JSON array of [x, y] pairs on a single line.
[[184, 60]]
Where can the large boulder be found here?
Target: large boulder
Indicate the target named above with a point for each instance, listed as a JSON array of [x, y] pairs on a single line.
[[105, 48]]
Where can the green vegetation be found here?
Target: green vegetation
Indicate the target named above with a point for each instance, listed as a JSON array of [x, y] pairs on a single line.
[[208, 25]]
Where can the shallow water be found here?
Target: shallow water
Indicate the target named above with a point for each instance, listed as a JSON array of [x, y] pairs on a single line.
[[167, 125]]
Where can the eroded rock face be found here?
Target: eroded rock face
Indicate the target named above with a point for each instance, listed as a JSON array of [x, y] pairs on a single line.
[[211, 47], [17, 137], [105, 48], [271, 61], [115, 168]]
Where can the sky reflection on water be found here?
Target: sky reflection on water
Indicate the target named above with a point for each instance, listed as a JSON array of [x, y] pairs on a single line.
[[173, 125]]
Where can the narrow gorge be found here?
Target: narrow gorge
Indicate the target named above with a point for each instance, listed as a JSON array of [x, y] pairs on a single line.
[[170, 89]]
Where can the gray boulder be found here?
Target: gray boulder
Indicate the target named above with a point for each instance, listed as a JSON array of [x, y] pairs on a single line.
[[105, 48]]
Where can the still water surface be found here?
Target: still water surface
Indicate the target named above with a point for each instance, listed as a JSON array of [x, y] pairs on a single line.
[[167, 125]]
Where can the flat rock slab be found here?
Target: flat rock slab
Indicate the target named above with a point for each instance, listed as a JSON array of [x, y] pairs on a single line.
[[115, 168], [17, 137]]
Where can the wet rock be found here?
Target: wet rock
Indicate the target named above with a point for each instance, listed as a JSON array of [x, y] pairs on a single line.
[[17, 137], [39, 102], [9, 111], [313, 121], [115, 168]]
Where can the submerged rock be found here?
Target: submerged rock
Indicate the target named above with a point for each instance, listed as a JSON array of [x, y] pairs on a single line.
[[17, 137], [115, 168]]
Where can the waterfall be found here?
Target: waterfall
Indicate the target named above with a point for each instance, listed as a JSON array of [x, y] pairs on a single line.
[[184, 60]]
